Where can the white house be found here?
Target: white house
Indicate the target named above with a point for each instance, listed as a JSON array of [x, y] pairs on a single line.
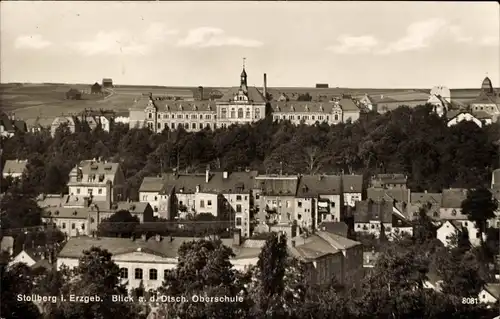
[[14, 168], [149, 192], [490, 293], [24, 257], [451, 227]]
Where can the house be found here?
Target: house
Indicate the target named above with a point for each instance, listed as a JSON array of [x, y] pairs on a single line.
[[149, 192], [431, 202], [73, 94], [90, 178], [7, 245], [389, 181], [9, 125], [96, 88], [14, 168], [488, 101], [367, 103], [370, 216], [490, 293], [399, 197], [80, 216], [452, 227], [107, 83], [69, 121], [352, 188], [455, 117], [451, 203], [34, 258], [321, 196]]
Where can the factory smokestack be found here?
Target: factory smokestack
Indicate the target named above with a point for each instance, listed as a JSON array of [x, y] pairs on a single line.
[[265, 86]]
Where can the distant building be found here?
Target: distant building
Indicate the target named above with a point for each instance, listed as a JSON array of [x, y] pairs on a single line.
[[14, 168], [96, 88], [73, 94], [490, 293], [107, 83], [488, 101], [322, 85], [480, 118], [239, 105], [440, 98], [9, 125], [77, 123]]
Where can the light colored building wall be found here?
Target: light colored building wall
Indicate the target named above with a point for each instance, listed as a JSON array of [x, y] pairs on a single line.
[[350, 199]]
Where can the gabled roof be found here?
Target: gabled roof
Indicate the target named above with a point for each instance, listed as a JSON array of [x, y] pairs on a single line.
[[254, 95], [276, 186], [183, 183], [315, 185], [401, 195], [352, 183], [493, 289], [152, 184], [369, 210], [339, 242], [310, 248], [453, 197], [236, 182], [14, 166]]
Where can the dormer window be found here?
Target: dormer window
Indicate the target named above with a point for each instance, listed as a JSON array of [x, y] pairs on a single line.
[[180, 107], [307, 107]]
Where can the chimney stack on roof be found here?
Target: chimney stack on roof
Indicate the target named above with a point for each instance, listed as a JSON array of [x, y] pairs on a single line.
[[265, 87], [207, 175]]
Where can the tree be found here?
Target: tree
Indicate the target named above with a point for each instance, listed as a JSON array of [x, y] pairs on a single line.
[[18, 210], [96, 275], [17, 280], [479, 206], [204, 269], [120, 224]]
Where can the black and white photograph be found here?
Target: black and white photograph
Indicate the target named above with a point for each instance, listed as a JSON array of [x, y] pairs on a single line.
[[249, 159]]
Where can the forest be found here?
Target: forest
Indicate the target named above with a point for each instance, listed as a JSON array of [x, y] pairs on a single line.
[[412, 141]]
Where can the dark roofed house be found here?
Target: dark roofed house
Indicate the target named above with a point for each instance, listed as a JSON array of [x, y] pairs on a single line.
[[370, 215], [9, 125], [96, 88], [14, 168], [73, 94]]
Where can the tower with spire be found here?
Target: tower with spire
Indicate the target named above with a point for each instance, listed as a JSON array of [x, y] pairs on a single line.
[[243, 79]]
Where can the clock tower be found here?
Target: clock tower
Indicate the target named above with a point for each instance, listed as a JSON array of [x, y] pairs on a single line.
[[243, 78]]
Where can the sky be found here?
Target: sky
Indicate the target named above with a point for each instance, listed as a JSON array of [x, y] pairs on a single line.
[[344, 44]]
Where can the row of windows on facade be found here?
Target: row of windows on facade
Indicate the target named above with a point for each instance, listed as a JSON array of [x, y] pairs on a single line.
[[73, 226], [306, 117], [194, 126], [202, 202], [90, 191], [232, 114]]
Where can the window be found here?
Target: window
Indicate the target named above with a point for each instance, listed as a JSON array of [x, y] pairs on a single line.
[[78, 191], [238, 208], [238, 197], [83, 226], [233, 114], [373, 226], [193, 116], [454, 213], [312, 117], [172, 125], [466, 224], [150, 115], [165, 116], [257, 113], [138, 273], [435, 214], [73, 226], [478, 235], [159, 125], [257, 196], [336, 117], [238, 221], [166, 125], [89, 191], [299, 204], [186, 125], [207, 117], [240, 113], [359, 226], [223, 113], [179, 125], [165, 274], [202, 203], [63, 225], [193, 125], [124, 273], [99, 191], [209, 202], [332, 204], [247, 114], [201, 126], [153, 274]]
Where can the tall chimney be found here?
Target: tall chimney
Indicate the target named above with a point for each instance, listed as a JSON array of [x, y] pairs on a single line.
[[265, 86], [207, 175], [200, 92], [108, 195]]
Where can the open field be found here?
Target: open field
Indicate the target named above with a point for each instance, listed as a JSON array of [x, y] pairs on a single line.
[[47, 101]]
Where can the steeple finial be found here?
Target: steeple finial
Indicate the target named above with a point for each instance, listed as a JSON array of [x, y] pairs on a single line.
[[244, 59]]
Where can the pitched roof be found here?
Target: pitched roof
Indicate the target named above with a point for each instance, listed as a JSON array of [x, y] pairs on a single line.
[[236, 182], [481, 115], [67, 212], [311, 248], [14, 166], [346, 105], [152, 184], [493, 289], [368, 210], [279, 185], [254, 95], [337, 241], [352, 183], [339, 228], [453, 197], [390, 178], [423, 198], [315, 185], [401, 195], [183, 183]]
